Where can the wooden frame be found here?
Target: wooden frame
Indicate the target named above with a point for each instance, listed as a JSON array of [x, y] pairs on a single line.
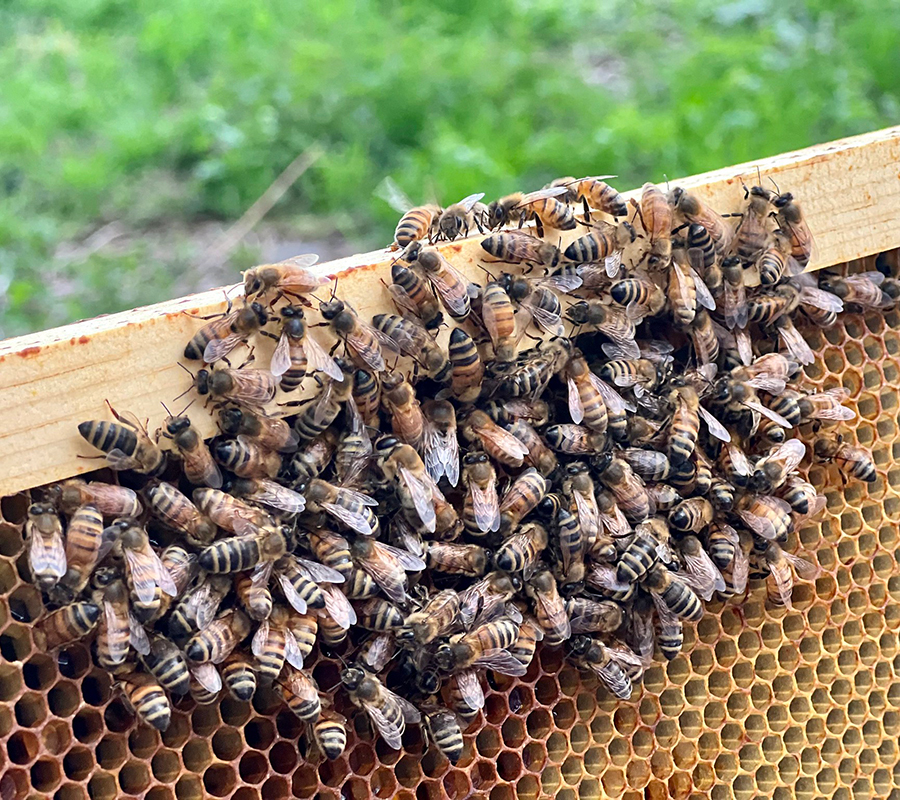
[[51, 381]]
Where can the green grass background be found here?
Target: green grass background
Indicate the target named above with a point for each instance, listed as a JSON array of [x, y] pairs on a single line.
[[132, 133]]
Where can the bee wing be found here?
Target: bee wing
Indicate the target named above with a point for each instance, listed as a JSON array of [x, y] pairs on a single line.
[[486, 505], [615, 679], [620, 330], [361, 339], [803, 568], [410, 713], [627, 657], [760, 525], [715, 427], [739, 460], [704, 296], [405, 559], [318, 360], [139, 640], [576, 409], [162, 576], [734, 304], [705, 577], [318, 572], [588, 513], [613, 263], [393, 195], [468, 203], [564, 282], [143, 577], [295, 276], [784, 580], [201, 605], [47, 557], [421, 497], [768, 413], [740, 570], [301, 261], [258, 643], [119, 460], [390, 732], [281, 356], [352, 519], [818, 298], [257, 394], [836, 410], [442, 455], [452, 287], [261, 575], [744, 346], [501, 661], [207, 676], [338, 606], [470, 689], [541, 194], [549, 320], [794, 343], [505, 441], [291, 595], [791, 453], [292, 653], [615, 523], [217, 349], [611, 398], [592, 276], [276, 496]]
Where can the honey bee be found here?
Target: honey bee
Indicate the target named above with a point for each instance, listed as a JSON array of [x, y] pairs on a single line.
[[539, 455], [724, 543], [402, 466], [483, 646], [206, 683], [827, 405], [772, 470], [215, 641], [522, 497], [602, 578], [239, 677], [167, 665], [575, 440], [549, 607], [641, 297], [782, 567], [318, 414], [478, 428], [801, 495], [481, 508], [458, 219], [304, 627], [722, 494], [703, 338], [182, 567], [522, 550], [367, 396], [434, 619], [199, 467], [440, 443], [522, 207], [520, 247], [695, 212], [119, 630], [456, 559], [66, 625], [768, 517], [533, 370], [444, 731], [594, 616], [673, 592], [215, 340], [579, 488], [246, 387], [379, 615], [733, 301], [298, 354], [274, 644], [412, 296], [144, 570], [639, 374], [388, 712], [330, 735], [604, 244], [247, 459], [362, 342], [530, 634], [852, 461], [332, 550], [268, 432], [417, 223], [499, 320], [110, 500], [448, 283], [537, 300], [546, 211], [83, 549], [484, 597], [407, 419], [148, 699], [230, 513], [466, 367], [571, 544], [127, 445], [336, 617], [255, 597], [735, 465], [291, 277], [412, 340], [792, 221], [347, 506], [628, 489], [863, 289], [595, 656], [657, 220], [705, 578], [776, 261], [269, 493], [198, 607], [586, 404], [595, 193], [693, 515], [752, 234], [387, 565], [643, 550], [301, 694], [650, 465], [243, 552]]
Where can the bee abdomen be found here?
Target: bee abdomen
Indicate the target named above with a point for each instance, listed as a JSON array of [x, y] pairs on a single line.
[[108, 436]]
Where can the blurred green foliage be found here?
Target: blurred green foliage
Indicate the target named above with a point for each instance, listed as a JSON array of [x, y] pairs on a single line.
[[149, 113]]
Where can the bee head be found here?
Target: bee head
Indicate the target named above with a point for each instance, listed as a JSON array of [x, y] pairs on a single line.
[[230, 420], [202, 381]]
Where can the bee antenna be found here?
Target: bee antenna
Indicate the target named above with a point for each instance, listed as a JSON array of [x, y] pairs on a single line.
[[334, 289], [185, 369], [758, 176], [182, 394], [775, 184], [184, 410], [166, 407]]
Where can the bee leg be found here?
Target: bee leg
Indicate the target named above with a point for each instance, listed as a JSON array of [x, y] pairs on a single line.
[[587, 209], [539, 226], [637, 211]]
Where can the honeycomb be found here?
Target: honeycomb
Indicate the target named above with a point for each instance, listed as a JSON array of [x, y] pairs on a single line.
[[763, 702]]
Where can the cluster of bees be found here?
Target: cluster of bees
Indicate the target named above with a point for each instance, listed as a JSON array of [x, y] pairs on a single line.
[[588, 490]]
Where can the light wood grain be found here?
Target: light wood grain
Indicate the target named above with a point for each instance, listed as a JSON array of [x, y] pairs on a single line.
[[51, 381]]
